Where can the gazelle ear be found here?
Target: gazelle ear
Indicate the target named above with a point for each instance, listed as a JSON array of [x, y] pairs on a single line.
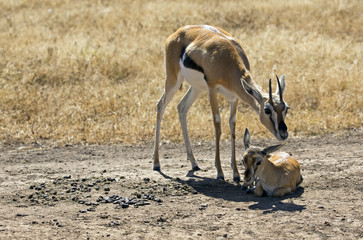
[[282, 84], [271, 149], [251, 91], [246, 139]]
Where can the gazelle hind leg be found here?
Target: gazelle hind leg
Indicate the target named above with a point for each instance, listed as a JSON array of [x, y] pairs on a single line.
[[232, 126], [218, 131], [183, 108], [171, 86]]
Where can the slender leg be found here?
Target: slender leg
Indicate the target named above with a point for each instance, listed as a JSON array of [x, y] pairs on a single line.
[[218, 131], [232, 126], [163, 102], [183, 108]]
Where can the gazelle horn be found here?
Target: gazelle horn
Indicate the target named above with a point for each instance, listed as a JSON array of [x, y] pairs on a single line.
[[278, 83], [269, 90]]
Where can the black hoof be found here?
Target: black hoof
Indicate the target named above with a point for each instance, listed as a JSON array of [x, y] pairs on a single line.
[[196, 168], [220, 178], [156, 169], [237, 179], [250, 190]]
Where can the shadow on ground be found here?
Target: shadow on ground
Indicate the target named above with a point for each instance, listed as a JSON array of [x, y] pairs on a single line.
[[232, 192]]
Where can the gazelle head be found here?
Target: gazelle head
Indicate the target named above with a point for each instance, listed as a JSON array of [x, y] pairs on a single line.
[[253, 157], [273, 108]]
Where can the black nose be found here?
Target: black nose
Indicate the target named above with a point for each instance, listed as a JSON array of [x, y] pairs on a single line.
[[283, 130], [282, 126], [247, 173]]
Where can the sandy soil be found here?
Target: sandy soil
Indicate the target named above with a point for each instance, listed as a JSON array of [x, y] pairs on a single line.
[[79, 192]]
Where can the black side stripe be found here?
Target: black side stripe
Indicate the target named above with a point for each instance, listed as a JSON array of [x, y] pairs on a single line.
[[189, 63]]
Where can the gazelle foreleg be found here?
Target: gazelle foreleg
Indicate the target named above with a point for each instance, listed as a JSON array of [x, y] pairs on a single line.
[[171, 86], [218, 131], [232, 126], [183, 108]]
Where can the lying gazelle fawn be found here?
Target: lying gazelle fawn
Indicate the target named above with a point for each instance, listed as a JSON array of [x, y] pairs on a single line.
[[276, 174], [211, 60]]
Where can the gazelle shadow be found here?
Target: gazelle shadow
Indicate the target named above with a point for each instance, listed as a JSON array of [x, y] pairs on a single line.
[[230, 191]]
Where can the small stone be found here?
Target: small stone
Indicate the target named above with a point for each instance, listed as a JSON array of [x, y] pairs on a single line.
[[139, 203], [158, 200], [114, 223], [82, 211], [161, 219], [146, 180], [133, 201], [67, 176], [107, 189], [327, 224], [203, 206], [59, 225], [124, 205], [111, 179], [99, 199]]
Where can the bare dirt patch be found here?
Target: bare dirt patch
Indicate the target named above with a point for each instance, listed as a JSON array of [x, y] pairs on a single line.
[[110, 191]]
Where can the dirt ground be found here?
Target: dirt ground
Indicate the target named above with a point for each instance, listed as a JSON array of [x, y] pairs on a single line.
[[80, 192]]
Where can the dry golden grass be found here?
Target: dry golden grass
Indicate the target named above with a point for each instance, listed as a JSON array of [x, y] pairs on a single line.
[[92, 72]]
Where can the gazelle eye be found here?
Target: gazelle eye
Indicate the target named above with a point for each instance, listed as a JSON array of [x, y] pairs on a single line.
[[267, 111]]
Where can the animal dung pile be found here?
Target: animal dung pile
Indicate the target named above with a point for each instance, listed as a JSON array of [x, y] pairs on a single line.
[[90, 193], [80, 191]]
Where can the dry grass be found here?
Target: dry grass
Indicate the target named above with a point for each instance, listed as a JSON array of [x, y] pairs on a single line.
[[85, 72]]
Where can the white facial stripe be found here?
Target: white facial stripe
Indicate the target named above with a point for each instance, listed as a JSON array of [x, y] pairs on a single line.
[[274, 118]]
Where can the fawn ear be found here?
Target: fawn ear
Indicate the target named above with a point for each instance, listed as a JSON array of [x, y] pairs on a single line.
[[271, 149], [246, 139]]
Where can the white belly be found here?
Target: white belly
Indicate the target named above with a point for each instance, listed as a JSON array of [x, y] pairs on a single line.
[[230, 96], [193, 77], [196, 80]]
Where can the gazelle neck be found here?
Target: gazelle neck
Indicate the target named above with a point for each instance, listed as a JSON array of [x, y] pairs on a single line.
[[250, 99]]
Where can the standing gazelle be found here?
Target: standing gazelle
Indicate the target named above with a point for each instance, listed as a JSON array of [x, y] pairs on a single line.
[[210, 59]]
